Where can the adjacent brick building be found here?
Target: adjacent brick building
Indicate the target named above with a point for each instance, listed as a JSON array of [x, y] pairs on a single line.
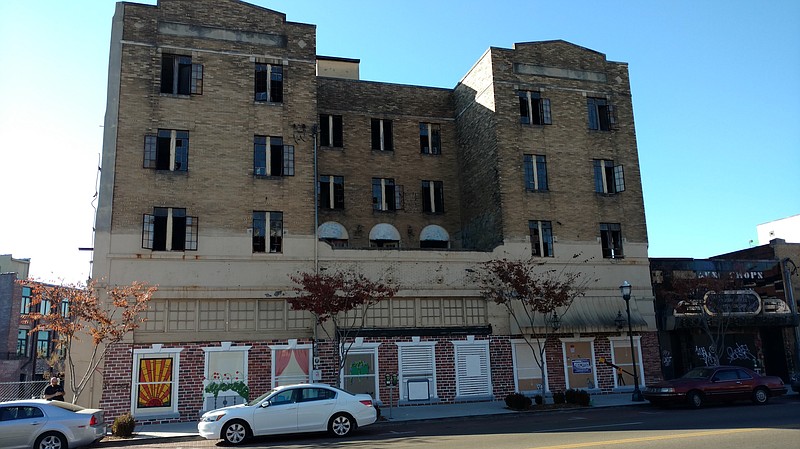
[[224, 129]]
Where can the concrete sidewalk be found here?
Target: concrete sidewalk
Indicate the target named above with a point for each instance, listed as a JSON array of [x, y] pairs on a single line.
[[394, 414]]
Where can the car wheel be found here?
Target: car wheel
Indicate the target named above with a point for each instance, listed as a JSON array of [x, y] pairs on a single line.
[[695, 399], [235, 432], [341, 425], [51, 440], [760, 396]]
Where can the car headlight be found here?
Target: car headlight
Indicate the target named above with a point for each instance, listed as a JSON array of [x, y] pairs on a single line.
[[667, 390], [212, 418]]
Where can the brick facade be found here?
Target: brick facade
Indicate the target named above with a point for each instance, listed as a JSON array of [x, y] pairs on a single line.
[[225, 291]]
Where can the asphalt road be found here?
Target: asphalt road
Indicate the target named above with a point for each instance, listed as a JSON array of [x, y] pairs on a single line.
[[740, 426]]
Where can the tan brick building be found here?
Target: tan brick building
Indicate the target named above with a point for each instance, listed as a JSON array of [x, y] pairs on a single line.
[[223, 122]]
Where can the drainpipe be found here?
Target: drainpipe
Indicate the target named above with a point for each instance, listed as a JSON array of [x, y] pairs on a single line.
[[787, 287], [314, 132]]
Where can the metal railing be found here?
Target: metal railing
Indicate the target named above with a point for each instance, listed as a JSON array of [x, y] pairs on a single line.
[[10, 391]]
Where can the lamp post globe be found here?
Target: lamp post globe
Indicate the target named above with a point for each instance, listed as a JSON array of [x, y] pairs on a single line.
[[625, 290]]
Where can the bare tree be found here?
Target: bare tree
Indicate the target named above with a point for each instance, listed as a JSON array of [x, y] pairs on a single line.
[[342, 298], [79, 311], [531, 292]]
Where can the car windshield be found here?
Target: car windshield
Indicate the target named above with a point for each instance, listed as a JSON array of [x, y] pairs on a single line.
[[261, 398], [699, 373]]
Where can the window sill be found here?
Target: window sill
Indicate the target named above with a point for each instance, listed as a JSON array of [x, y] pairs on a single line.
[[273, 177], [326, 147], [374, 151], [268, 103]]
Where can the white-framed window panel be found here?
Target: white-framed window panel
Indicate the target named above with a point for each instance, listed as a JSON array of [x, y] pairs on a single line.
[[473, 372], [155, 382], [360, 372], [580, 370], [528, 378], [225, 363], [416, 362], [621, 357], [291, 363]]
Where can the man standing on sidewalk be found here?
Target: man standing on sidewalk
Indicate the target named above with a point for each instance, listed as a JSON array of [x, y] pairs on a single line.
[[54, 391]]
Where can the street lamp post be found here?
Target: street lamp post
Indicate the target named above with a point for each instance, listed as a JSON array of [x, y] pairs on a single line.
[[625, 289]]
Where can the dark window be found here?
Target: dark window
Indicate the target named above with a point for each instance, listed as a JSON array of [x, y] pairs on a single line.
[[535, 173], [43, 344], [25, 306], [533, 109], [541, 238], [276, 159], [22, 342], [434, 244], [330, 131], [269, 83], [433, 197], [430, 138], [382, 135], [180, 77], [725, 375], [20, 412], [65, 308], [608, 178], [267, 223], [167, 150], [386, 196], [316, 394], [611, 239], [157, 234], [331, 192], [601, 114]]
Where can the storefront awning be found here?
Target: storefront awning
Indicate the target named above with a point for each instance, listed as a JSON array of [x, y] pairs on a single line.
[[597, 314]]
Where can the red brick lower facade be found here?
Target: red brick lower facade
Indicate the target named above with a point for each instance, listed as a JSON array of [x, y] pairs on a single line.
[[191, 359]]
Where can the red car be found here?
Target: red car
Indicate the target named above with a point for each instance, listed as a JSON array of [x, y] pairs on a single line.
[[717, 384]]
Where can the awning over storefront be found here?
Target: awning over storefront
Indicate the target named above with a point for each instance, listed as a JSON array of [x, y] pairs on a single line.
[[597, 314]]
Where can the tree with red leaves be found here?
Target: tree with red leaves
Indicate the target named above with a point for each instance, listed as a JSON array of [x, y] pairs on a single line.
[[533, 295], [341, 298], [105, 315]]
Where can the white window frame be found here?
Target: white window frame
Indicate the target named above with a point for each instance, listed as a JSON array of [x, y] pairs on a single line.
[[226, 346], [359, 347], [292, 344], [175, 354], [404, 376], [484, 366], [523, 343], [626, 342]]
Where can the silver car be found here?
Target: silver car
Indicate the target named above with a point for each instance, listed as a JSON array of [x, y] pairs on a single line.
[[41, 424]]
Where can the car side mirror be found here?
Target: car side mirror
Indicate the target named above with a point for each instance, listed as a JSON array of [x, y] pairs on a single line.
[[266, 404]]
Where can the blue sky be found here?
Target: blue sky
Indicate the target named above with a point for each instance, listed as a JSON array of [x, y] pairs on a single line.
[[716, 96]]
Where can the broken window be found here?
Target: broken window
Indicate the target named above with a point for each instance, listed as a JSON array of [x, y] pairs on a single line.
[[601, 114], [169, 229], [331, 192], [430, 138], [167, 150], [271, 157], [386, 196], [269, 83], [180, 77], [608, 178], [611, 240], [533, 109], [330, 131], [267, 229], [433, 197], [382, 135], [535, 173]]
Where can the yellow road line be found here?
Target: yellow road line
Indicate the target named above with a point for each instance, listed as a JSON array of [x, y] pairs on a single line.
[[653, 438]]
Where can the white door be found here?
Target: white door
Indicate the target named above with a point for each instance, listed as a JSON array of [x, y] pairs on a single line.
[[472, 370], [314, 408]]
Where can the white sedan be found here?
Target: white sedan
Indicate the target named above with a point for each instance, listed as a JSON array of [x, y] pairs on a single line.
[[290, 409], [41, 424]]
